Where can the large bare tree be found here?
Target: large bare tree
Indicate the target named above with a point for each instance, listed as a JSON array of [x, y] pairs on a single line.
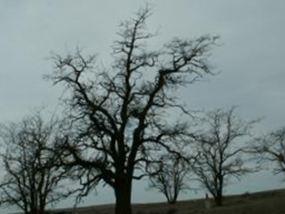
[[219, 149], [31, 181], [120, 115]]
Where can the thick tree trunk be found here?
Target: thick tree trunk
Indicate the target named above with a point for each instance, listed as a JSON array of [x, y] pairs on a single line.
[[123, 192], [219, 196], [37, 211], [172, 202], [219, 200]]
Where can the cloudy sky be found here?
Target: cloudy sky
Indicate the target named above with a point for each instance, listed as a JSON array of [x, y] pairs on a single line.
[[249, 59]]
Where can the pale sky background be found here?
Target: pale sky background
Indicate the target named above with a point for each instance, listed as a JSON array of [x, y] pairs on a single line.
[[250, 59]]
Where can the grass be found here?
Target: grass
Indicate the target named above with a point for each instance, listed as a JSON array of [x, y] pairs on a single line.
[[268, 202]]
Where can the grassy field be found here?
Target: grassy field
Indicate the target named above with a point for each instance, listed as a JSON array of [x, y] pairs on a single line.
[[269, 202]]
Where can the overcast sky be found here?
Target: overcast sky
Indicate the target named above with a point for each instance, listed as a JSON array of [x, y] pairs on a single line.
[[250, 59]]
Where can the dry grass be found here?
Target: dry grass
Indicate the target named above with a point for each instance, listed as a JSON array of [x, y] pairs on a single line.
[[269, 202]]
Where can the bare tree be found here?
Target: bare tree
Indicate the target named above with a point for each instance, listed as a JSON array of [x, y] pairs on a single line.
[[120, 115], [31, 181], [220, 145], [170, 176], [271, 148]]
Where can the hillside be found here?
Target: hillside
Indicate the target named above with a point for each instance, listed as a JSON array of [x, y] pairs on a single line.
[[267, 202]]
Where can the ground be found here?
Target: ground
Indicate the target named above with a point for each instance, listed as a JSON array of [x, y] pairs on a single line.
[[269, 202]]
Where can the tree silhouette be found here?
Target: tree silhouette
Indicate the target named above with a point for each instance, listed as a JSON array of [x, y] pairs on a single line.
[[170, 177], [219, 148], [31, 179], [271, 148], [120, 115]]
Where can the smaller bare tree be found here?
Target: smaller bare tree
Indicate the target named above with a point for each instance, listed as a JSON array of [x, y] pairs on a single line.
[[31, 179], [271, 147], [169, 178], [219, 146]]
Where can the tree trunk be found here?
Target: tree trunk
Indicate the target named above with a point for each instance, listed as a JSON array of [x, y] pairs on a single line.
[[219, 196], [173, 201], [37, 211], [219, 200], [123, 192]]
